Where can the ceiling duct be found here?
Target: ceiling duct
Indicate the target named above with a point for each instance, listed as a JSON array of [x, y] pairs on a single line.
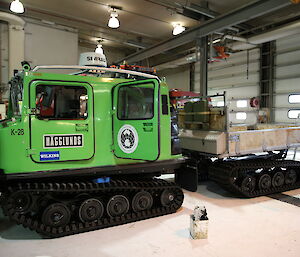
[[176, 63], [236, 16], [280, 32], [243, 44]]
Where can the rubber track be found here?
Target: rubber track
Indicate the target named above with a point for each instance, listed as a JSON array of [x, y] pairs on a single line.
[[224, 173], [155, 185]]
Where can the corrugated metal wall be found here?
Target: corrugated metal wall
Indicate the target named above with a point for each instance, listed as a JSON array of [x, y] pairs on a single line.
[[287, 73], [239, 77]]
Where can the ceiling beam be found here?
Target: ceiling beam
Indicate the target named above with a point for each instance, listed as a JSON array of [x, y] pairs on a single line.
[[244, 13], [207, 14], [201, 10]]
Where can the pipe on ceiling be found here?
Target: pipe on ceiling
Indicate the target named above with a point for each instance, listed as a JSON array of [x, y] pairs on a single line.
[[12, 19], [234, 38]]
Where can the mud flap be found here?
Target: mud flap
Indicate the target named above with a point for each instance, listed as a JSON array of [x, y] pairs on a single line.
[[187, 178]]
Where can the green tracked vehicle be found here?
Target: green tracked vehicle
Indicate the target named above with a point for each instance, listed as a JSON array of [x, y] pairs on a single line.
[[80, 149]]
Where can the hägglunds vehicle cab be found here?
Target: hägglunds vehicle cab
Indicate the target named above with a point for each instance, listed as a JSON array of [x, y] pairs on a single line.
[[81, 147]]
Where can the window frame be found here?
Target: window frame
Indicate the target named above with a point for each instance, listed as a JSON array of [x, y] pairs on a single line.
[[242, 113], [293, 110], [292, 95], [241, 101], [38, 115], [140, 86]]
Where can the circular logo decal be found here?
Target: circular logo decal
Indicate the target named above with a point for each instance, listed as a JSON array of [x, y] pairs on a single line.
[[128, 139]]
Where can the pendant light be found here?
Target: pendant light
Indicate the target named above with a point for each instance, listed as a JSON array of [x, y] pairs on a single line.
[[16, 6], [113, 20], [99, 49], [178, 29]]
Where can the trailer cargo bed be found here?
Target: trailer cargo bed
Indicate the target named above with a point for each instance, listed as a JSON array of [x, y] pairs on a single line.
[[243, 142]]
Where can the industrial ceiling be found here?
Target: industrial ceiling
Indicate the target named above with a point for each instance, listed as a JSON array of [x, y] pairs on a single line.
[[145, 23]]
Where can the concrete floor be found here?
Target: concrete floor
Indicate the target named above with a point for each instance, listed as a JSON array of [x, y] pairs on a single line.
[[237, 227]]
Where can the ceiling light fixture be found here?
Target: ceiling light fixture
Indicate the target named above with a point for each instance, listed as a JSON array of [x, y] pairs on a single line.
[[113, 20], [99, 49], [177, 29], [16, 6]]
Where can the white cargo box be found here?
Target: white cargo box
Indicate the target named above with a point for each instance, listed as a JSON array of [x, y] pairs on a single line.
[[238, 143]]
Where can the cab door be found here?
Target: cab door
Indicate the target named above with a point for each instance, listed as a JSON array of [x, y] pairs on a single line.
[[136, 120], [61, 121]]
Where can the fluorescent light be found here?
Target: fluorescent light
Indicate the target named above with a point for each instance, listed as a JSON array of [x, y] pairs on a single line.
[[16, 6], [99, 49], [178, 29], [216, 41], [113, 21]]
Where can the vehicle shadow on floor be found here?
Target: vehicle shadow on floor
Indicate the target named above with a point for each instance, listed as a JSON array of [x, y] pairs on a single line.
[[9, 230], [211, 192]]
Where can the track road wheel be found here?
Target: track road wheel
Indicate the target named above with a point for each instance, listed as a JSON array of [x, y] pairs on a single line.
[[248, 184], [90, 210], [278, 179], [118, 205], [142, 201], [56, 215], [264, 182], [21, 202], [167, 197], [290, 177]]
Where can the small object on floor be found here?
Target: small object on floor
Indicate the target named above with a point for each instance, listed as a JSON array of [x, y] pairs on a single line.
[[199, 223]]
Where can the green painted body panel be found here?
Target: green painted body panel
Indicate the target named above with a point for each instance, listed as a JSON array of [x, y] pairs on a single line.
[[147, 129], [66, 127], [21, 140]]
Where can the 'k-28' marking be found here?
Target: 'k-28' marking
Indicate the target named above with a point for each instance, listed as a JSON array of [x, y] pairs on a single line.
[[17, 132]]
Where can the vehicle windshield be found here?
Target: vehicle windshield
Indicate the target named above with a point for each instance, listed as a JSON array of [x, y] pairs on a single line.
[[15, 96]]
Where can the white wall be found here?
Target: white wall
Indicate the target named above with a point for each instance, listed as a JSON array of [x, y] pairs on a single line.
[[287, 75], [178, 78], [45, 46], [231, 76]]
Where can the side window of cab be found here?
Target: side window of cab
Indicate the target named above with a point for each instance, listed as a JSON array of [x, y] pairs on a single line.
[[61, 102]]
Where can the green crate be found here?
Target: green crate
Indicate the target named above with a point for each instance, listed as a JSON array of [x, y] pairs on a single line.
[[201, 111], [188, 109]]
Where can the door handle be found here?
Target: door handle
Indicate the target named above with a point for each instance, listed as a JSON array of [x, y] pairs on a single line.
[[148, 127], [82, 127]]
